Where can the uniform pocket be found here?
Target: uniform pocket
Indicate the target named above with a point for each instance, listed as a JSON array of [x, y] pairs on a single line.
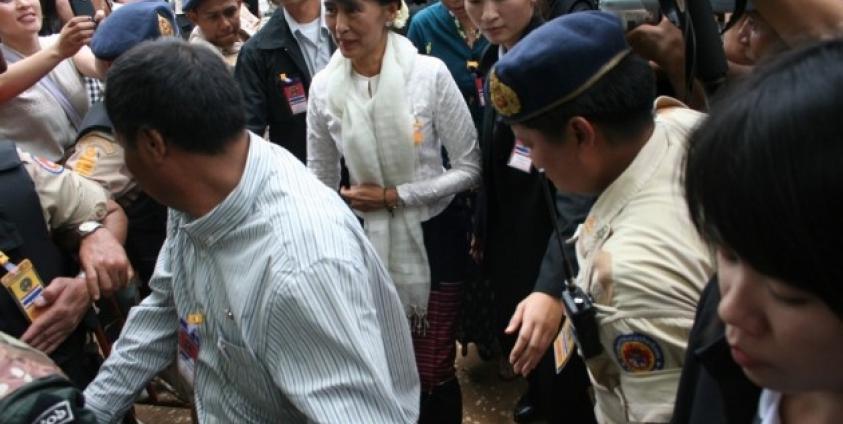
[[648, 397]]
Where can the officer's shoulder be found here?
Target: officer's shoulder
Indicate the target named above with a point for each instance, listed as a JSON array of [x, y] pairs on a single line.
[[37, 165], [100, 140]]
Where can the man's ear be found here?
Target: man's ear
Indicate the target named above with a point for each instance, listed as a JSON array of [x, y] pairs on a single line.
[[151, 143], [583, 132]]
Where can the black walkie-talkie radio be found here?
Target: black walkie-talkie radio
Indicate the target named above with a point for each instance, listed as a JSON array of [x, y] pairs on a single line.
[[579, 307]]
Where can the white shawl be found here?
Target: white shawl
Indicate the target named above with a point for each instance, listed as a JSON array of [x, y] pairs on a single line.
[[377, 135]]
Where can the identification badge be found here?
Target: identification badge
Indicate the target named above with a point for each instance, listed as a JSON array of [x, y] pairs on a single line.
[[418, 136], [481, 91], [520, 157], [564, 346], [189, 344], [294, 93], [25, 286]]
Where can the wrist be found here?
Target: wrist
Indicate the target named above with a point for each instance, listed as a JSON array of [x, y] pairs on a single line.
[[54, 52], [88, 228], [391, 201]]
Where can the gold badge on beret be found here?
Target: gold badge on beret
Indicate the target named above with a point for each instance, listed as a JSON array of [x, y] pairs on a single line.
[[503, 97], [164, 27]]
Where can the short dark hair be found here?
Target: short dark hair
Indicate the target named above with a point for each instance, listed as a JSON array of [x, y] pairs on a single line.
[[621, 102], [763, 173], [183, 91]]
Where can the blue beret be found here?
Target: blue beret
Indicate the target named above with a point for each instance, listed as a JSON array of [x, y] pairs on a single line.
[[132, 24], [555, 63], [189, 4]]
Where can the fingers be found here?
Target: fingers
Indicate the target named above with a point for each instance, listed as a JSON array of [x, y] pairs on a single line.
[[105, 280], [346, 192], [521, 343], [42, 329], [532, 355], [516, 319], [80, 30], [90, 276], [52, 343], [67, 304], [49, 340], [52, 292]]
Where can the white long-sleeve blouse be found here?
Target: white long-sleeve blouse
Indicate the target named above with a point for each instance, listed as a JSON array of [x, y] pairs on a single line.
[[445, 120]]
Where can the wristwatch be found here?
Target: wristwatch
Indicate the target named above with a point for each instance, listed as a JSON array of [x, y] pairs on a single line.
[[88, 227]]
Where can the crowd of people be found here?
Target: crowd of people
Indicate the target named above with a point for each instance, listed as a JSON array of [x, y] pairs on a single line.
[[294, 211]]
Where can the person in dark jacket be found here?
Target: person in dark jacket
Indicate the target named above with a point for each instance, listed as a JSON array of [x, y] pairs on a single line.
[[712, 389], [514, 235], [275, 68]]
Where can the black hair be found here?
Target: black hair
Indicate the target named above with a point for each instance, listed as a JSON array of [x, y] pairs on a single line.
[[763, 174], [620, 103], [183, 91], [50, 20], [2, 64]]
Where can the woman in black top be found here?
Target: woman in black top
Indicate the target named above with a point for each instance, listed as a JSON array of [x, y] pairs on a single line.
[[513, 230]]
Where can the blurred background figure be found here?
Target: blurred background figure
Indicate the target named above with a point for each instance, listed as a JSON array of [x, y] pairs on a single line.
[[222, 25], [444, 30], [520, 261], [43, 97], [275, 68]]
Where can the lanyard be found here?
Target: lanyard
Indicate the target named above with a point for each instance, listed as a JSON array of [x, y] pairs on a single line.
[[5, 263]]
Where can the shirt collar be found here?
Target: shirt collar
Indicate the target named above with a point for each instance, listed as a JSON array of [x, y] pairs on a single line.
[[295, 27], [230, 213], [615, 197]]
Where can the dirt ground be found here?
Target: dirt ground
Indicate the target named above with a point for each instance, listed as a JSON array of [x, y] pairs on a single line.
[[486, 398]]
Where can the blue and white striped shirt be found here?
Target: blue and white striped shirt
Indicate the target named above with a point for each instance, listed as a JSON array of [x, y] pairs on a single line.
[[301, 321]]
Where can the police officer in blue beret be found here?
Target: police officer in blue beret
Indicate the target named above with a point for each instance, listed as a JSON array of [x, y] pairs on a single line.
[[600, 130], [97, 155]]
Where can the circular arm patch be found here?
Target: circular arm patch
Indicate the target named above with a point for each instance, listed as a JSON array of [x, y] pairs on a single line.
[[638, 353]]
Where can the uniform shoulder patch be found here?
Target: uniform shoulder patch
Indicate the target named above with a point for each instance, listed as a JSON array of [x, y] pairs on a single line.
[[48, 166], [637, 352], [87, 161]]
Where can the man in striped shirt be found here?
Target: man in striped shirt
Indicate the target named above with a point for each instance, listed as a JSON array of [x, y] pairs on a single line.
[[266, 289]]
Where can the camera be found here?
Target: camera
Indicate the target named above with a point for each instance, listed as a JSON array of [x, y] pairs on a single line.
[[704, 56], [634, 13]]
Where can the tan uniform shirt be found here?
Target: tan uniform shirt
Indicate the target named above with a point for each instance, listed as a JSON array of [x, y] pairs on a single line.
[[97, 157], [645, 266], [67, 199]]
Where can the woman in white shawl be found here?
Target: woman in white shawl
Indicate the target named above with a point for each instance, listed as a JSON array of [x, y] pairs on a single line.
[[397, 117]]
